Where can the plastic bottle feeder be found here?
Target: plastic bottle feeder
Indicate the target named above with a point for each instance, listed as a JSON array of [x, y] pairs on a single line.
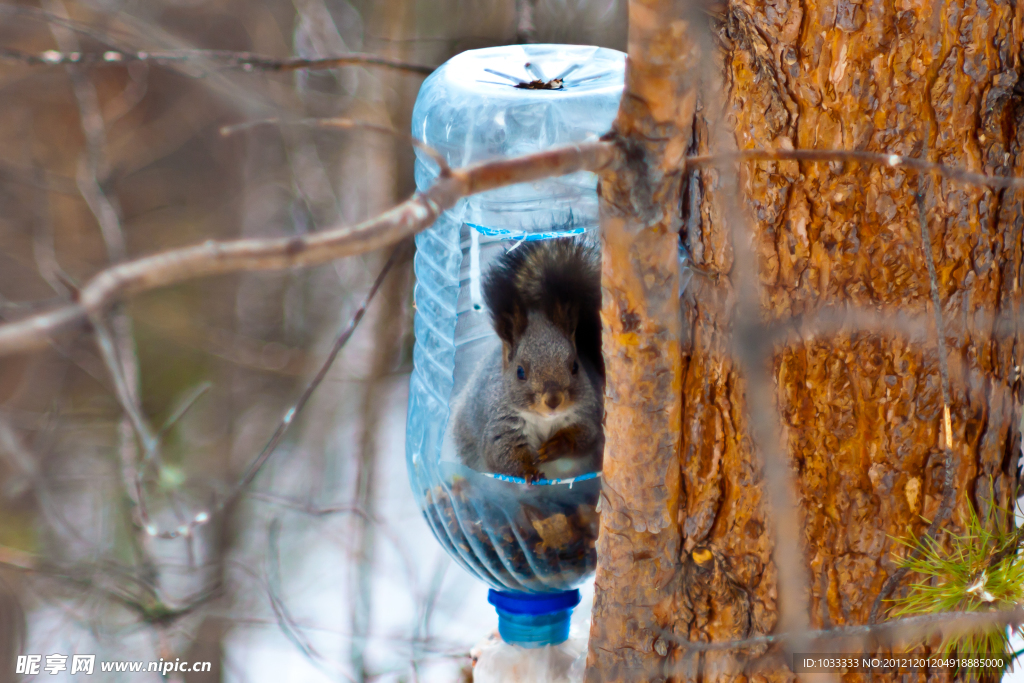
[[532, 543]]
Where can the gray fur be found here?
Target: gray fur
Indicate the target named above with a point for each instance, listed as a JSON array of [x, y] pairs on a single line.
[[505, 425]]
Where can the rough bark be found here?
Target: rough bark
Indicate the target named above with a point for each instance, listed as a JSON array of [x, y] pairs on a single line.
[[862, 411], [639, 536]]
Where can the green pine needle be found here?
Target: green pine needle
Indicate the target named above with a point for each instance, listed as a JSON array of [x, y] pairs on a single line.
[[979, 571]]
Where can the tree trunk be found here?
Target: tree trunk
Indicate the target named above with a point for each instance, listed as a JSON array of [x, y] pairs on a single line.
[[861, 409], [639, 540]]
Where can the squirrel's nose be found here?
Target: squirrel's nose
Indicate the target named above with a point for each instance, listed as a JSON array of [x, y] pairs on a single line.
[[553, 399]]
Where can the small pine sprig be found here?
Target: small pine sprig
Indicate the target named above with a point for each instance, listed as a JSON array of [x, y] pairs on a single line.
[[980, 571]]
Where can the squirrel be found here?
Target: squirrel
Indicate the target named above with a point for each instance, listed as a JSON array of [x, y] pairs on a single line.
[[534, 407]]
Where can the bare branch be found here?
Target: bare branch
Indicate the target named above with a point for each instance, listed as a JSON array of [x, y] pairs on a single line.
[[263, 63], [218, 258], [307, 508], [345, 124], [875, 158], [754, 358], [526, 29], [112, 581], [115, 341], [339, 344], [246, 61], [92, 168], [123, 389], [17, 559], [889, 633], [204, 516], [948, 485], [285, 621]]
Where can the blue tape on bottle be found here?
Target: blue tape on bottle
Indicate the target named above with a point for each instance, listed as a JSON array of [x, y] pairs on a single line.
[[526, 236], [542, 482]]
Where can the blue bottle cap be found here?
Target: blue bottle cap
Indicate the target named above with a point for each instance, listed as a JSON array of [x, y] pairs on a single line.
[[533, 603], [534, 619]]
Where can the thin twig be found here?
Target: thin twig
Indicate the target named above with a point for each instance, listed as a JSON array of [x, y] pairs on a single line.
[[216, 258], [185, 405], [116, 344], [92, 168], [257, 464], [526, 29], [425, 609], [307, 508], [143, 600], [17, 559], [754, 358], [285, 621], [948, 484], [339, 344], [124, 393], [874, 158], [133, 468], [886, 633], [263, 63], [246, 61], [44, 248], [37, 14], [345, 124]]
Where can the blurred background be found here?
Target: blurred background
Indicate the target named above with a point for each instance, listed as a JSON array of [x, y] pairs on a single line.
[[323, 570]]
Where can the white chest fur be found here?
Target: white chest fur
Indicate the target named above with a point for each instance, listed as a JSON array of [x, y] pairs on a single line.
[[540, 428]]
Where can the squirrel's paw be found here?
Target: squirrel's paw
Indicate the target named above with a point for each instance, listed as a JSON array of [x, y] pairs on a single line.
[[523, 463], [549, 450], [560, 444]]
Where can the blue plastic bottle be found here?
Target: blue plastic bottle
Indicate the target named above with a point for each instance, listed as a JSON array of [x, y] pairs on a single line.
[[520, 539]]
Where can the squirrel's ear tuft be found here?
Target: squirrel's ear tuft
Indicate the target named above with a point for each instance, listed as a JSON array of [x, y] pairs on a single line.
[[560, 277], [509, 322], [565, 315], [505, 301]]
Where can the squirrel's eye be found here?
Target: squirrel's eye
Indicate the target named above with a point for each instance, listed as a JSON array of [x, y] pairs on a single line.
[[520, 373], [575, 367]]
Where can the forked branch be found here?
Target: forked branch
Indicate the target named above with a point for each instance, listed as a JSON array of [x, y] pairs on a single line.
[[222, 257]]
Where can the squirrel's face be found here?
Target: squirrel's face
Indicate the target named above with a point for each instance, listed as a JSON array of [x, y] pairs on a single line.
[[541, 370]]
